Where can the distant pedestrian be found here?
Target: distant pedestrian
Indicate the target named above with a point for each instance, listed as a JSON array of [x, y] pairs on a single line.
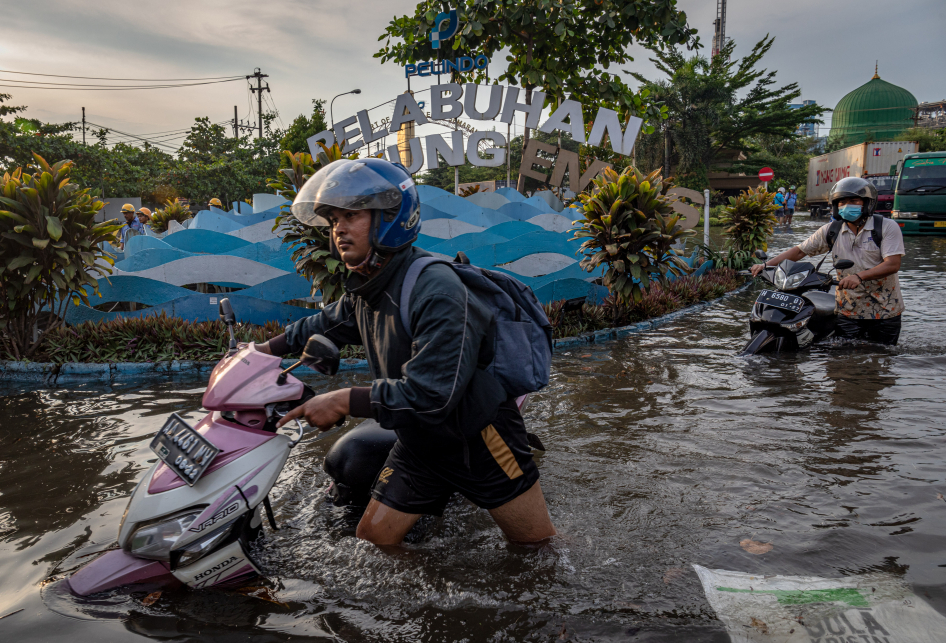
[[132, 227], [779, 200], [790, 200], [144, 217], [215, 202]]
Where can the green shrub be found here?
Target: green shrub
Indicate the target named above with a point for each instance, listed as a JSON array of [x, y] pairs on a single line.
[[750, 218], [156, 338], [173, 211], [657, 299], [51, 249], [629, 226], [310, 244]]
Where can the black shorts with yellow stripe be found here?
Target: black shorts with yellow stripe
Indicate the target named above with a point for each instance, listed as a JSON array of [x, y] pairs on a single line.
[[501, 469]]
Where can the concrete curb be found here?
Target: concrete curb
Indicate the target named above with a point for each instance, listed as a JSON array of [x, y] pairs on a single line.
[[47, 373]]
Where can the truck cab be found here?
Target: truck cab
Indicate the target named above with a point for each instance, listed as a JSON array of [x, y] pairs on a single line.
[[885, 186], [919, 205]]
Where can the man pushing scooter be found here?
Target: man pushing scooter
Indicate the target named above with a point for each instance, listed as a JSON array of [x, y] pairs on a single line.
[[438, 383]]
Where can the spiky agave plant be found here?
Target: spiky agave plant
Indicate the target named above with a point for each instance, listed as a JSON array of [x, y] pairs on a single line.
[[629, 227], [310, 244], [750, 218], [173, 210]]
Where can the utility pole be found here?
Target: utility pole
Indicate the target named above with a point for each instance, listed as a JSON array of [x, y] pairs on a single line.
[[508, 151], [83, 125], [259, 98], [236, 127]]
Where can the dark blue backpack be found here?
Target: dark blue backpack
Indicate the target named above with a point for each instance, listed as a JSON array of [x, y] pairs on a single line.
[[523, 335]]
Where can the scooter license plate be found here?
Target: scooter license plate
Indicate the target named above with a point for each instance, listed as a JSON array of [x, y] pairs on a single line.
[[781, 300], [185, 451]]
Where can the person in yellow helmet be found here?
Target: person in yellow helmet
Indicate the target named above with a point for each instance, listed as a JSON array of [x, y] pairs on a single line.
[[144, 217], [131, 223], [216, 203]]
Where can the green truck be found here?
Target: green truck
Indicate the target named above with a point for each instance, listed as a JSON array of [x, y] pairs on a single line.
[[919, 202]]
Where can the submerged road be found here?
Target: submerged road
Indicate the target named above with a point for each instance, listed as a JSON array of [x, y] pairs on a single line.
[[664, 450]]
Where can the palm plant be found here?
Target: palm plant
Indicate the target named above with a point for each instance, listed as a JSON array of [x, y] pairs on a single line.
[[52, 248], [310, 244], [173, 210], [751, 219], [629, 226]]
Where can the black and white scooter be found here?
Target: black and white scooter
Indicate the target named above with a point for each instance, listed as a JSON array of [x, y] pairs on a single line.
[[797, 312]]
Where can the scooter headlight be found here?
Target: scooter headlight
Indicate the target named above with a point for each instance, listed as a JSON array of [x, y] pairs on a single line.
[[789, 282], [154, 541], [199, 548], [794, 281]]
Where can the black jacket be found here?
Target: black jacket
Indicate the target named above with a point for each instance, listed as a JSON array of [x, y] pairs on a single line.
[[431, 388]]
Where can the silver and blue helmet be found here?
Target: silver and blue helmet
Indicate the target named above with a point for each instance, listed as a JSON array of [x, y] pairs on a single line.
[[373, 184]]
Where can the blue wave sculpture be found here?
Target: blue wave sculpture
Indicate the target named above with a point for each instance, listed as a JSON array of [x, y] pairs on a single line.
[[508, 240]]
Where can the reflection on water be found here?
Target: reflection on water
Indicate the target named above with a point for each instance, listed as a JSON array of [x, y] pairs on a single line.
[[665, 449]]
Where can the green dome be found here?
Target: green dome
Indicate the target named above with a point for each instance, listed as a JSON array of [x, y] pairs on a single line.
[[874, 111]]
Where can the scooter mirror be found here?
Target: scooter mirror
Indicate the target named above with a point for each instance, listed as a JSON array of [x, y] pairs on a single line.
[[844, 264], [321, 354], [226, 312], [760, 254]]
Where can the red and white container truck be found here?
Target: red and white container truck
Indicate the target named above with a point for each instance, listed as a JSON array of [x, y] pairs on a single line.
[[876, 160]]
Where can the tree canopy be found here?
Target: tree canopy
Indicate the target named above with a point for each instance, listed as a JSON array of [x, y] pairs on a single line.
[[209, 163], [717, 104], [561, 47]]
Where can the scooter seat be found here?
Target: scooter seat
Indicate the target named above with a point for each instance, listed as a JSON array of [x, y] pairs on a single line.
[[823, 302]]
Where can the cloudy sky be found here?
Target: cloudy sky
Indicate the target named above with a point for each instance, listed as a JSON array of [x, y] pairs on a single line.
[[319, 48]]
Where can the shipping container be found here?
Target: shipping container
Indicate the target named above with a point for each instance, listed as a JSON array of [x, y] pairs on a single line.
[[873, 159]]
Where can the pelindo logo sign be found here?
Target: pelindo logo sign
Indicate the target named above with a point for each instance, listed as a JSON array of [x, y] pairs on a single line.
[[437, 34]]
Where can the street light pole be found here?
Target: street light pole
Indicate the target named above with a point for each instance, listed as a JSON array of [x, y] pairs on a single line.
[[330, 115]]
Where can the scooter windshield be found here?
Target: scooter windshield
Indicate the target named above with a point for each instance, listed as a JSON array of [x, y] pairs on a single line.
[[348, 185]]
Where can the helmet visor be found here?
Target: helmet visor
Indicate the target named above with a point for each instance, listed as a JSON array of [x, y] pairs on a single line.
[[347, 185]]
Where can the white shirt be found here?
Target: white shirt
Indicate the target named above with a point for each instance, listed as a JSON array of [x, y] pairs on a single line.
[[874, 299]]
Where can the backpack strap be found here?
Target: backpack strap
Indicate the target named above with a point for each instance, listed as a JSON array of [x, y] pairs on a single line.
[[877, 234], [834, 229], [407, 287]]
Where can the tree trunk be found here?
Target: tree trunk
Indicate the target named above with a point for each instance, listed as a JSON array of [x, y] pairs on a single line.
[[521, 185], [666, 152]]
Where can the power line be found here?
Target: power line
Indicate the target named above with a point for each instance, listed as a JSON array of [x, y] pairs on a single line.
[[147, 80], [161, 141], [96, 88], [109, 129]]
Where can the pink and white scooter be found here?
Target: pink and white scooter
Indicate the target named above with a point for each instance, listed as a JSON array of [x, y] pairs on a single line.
[[192, 515]]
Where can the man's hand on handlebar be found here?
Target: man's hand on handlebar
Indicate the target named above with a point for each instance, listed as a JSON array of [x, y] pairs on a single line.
[[757, 269], [850, 282], [323, 411]]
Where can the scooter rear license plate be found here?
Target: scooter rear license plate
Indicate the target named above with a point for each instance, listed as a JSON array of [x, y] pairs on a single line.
[[780, 300], [185, 451]]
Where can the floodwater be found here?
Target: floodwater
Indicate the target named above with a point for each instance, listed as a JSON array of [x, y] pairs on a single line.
[[664, 450]]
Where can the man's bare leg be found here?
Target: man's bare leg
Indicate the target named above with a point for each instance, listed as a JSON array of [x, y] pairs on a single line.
[[525, 519], [383, 525]]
